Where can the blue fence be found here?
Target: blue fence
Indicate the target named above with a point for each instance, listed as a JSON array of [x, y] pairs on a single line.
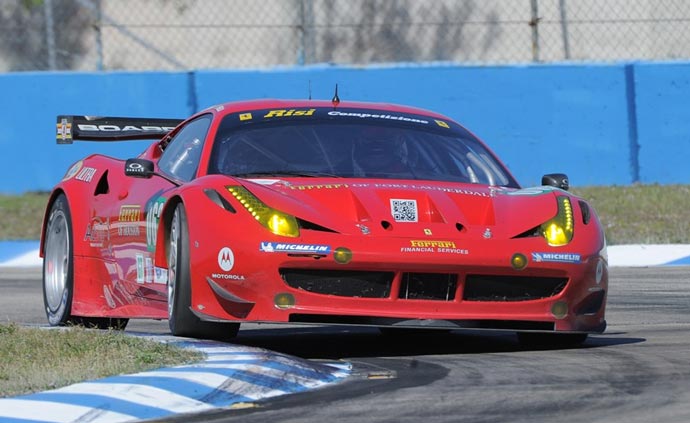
[[600, 124]]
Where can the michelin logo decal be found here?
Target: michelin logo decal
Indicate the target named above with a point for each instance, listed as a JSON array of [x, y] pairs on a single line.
[[556, 257], [277, 247]]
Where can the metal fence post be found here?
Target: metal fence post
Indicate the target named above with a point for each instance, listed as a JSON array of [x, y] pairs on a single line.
[[534, 23], [300, 28], [50, 34], [564, 29], [305, 51], [99, 36]]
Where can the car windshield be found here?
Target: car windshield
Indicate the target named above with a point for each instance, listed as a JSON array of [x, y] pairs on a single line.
[[354, 149]]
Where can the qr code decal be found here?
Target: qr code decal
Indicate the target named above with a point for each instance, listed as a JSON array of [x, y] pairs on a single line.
[[404, 210]]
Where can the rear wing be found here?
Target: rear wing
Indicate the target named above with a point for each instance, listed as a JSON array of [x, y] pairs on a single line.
[[94, 128]]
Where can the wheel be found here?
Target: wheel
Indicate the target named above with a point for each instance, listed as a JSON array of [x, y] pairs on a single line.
[[58, 264], [58, 273], [539, 339], [181, 320]]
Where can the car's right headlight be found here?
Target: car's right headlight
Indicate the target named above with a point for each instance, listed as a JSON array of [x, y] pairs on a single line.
[[276, 221]]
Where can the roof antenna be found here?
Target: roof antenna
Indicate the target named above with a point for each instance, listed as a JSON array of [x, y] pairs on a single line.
[[310, 89], [336, 99]]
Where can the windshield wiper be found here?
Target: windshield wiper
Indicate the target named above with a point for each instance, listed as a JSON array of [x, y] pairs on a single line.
[[303, 173]]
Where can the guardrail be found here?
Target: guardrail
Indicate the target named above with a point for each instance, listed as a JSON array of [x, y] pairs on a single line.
[[601, 124]]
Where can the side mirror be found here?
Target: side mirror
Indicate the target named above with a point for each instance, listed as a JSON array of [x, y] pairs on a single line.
[[139, 168], [558, 180]]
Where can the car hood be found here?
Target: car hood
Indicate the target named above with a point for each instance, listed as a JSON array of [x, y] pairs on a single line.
[[408, 208]]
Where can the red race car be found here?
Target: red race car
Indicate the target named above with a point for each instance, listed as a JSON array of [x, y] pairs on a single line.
[[321, 212]]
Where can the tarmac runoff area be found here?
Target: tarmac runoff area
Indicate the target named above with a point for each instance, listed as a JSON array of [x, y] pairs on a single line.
[[230, 376]]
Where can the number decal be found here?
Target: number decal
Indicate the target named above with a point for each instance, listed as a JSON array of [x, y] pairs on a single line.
[[153, 214]]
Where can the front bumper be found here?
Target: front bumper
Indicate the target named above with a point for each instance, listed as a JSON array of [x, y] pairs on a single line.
[[474, 287]]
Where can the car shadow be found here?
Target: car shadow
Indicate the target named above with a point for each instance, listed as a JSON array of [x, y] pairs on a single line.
[[337, 342]]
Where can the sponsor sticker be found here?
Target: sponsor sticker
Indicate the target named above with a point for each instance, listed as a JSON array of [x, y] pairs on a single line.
[[135, 167], [73, 170], [98, 232], [245, 116], [441, 123], [227, 276], [289, 112], [117, 128], [429, 246], [320, 186], [140, 268], [226, 259], [64, 130], [160, 275], [129, 220], [377, 116], [404, 210], [556, 257], [130, 213], [148, 270], [278, 247], [85, 174], [153, 214]]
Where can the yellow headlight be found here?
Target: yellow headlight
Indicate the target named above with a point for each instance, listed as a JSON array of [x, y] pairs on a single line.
[[559, 230], [282, 224], [274, 220]]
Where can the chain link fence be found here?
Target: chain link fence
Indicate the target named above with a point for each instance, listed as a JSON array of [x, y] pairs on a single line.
[[88, 35]]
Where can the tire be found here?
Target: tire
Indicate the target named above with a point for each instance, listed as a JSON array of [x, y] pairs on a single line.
[[551, 340], [181, 320], [58, 273], [58, 264]]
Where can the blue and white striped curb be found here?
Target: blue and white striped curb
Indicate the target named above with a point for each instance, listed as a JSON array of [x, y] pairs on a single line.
[[20, 254], [25, 254], [649, 255], [230, 375]]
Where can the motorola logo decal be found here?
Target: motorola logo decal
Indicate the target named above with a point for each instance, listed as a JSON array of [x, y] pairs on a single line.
[[226, 259]]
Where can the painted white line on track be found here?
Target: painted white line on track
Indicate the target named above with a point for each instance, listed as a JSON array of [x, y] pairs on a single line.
[[46, 411]]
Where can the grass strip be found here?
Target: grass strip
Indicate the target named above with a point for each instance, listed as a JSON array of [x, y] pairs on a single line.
[[36, 359]]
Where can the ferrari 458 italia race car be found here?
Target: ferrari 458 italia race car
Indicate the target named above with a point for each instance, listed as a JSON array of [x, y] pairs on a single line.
[[320, 212]]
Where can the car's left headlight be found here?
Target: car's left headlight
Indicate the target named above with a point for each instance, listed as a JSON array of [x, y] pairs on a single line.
[[276, 221], [558, 231]]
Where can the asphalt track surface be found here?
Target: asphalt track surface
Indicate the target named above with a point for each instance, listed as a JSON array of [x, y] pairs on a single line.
[[637, 371]]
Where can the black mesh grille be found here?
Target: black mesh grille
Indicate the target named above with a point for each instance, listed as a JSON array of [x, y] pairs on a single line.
[[428, 286], [340, 282], [511, 288]]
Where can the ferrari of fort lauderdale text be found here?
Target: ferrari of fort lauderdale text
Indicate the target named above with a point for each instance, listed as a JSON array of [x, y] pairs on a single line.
[[319, 212]]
